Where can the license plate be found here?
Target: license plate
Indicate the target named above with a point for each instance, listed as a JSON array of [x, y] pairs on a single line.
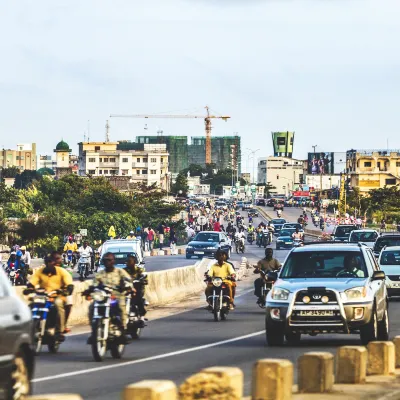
[[199, 252], [316, 313]]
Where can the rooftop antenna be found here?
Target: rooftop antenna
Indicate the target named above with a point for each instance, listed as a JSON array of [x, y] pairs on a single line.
[[159, 132], [145, 127], [88, 130], [84, 136], [107, 132]]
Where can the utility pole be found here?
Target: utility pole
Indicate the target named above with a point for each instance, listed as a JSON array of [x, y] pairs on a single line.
[[107, 132]]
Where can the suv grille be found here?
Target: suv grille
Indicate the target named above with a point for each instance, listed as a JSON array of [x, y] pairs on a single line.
[[316, 295], [394, 277]]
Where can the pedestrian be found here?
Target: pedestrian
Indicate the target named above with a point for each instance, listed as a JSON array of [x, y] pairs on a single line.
[[172, 240], [145, 240], [161, 231], [150, 238]]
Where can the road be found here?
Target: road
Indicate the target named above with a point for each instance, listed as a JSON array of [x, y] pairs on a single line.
[[179, 345]]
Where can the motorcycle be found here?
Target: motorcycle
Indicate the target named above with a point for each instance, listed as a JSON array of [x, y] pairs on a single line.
[[16, 277], [240, 247], [84, 267], [259, 240], [267, 238], [135, 324], [250, 237], [297, 242], [44, 316], [266, 287], [69, 258], [219, 300], [107, 328]]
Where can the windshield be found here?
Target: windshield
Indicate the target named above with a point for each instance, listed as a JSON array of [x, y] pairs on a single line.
[[293, 226], [120, 249], [344, 230], [363, 236], [121, 258], [278, 221], [207, 237], [386, 241], [390, 257], [286, 233], [324, 264]]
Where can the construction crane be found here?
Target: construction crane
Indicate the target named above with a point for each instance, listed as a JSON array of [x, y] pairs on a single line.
[[207, 121]]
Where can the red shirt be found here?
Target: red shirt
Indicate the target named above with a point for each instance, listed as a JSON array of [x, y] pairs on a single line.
[[150, 236], [217, 227]]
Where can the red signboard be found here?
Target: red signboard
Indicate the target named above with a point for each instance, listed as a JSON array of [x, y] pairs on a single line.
[[300, 194]]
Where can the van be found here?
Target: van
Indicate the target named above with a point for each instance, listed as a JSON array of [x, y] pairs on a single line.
[[121, 248]]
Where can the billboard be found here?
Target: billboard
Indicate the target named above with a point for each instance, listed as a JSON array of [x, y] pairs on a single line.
[[283, 144], [321, 163]]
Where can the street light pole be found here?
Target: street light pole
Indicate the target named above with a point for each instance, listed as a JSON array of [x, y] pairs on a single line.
[[253, 152]]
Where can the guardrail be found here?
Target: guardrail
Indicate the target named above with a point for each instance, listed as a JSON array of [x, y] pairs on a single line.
[[360, 373]]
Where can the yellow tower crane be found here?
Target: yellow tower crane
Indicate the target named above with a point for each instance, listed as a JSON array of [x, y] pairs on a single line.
[[207, 121]]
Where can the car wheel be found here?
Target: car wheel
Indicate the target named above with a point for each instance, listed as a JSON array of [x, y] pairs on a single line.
[[188, 257], [274, 335], [369, 332], [229, 252], [383, 327], [293, 338], [19, 384]]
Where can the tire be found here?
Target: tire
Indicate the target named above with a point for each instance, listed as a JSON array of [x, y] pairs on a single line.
[[53, 346], [383, 327], [224, 316], [135, 335], [217, 316], [19, 385], [369, 332], [99, 349], [275, 336], [293, 338], [117, 350], [188, 257], [229, 252], [36, 333]]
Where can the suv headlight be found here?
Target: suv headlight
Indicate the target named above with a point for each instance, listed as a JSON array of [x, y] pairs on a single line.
[[356, 293], [279, 294]]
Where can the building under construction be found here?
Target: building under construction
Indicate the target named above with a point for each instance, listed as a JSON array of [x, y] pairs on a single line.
[[182, 154]]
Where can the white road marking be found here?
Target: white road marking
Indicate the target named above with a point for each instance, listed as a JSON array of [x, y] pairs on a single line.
[[143, 360]]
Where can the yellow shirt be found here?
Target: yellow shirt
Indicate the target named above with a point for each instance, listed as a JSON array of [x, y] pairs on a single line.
[[59, 280], [131, 237], [222, 271], [70, 246]]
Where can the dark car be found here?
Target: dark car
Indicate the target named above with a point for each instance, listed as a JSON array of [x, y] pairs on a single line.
[[16, 343], [328, 288], [271, 202], [207, 243], [252, 212], [278, 223], [388, 240], [260, 202], [239, 204], [285, 239], [341, 233]]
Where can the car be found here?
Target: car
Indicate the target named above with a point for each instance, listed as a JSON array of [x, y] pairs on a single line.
[[285, 239], [327, 288], [123, 246], [367, 236], [246, 205], [341, 233], [271, 202], [252, 212], [206, 244], [385, 240], [17, 358], [293, 225], [260, 202], [220, 205], [278, 223], [239, 204], [389, 263]]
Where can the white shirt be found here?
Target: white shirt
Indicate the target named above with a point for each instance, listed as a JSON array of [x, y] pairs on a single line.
[[26, 258], [85, 252]]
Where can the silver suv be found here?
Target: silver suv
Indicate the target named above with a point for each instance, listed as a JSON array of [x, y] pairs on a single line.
[[328, 288]]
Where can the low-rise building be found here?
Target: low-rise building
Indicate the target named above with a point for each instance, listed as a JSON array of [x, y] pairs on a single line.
[[24, 157], [373, 169], [262, 170], [284, 173], [196, 187], [146, 164]]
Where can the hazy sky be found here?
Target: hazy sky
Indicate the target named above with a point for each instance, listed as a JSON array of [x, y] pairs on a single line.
[[327, 69]]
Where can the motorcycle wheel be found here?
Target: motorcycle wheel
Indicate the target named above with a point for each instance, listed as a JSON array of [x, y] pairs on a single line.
[[217, 316], [53, 345], [99, 347], [117, 350], [37, 335], [224, 316], [135, 334]]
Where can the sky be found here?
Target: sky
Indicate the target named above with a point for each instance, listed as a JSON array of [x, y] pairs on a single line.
[[326, 69]]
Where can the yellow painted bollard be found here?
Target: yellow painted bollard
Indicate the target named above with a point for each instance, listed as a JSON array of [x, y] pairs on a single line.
[[231, 375], [151, 390], [66, 396], [351, 364], [381, 358], [396, 342], [272, 380]]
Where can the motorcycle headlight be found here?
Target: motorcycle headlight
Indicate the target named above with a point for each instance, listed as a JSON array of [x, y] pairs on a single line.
[[356, 293], [98, 296], [278, 293], [12, 273], [217, 282]]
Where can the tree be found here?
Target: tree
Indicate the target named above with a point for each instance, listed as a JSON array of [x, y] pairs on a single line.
[[23, 180], [9, 172], [180, 187]]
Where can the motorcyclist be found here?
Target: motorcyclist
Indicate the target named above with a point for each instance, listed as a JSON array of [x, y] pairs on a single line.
[[26, 257], [86, 251], [297, 235], [279, 213], [136, 272], [222, 269], [240, 236], [15, 262], [230, 228], [251, 230], [118, 280], [71, 246], [50, 278], [266, 264]]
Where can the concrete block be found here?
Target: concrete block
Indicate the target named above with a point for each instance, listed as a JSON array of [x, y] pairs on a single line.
[[208, 387], [154, 252], [181, 251], [381, 358], [161, 253], [396, 342], [233, 376], [146, 253], [351, 364], [272, 380], [315, 372], [151, 390], [167, 252], [64, 396]]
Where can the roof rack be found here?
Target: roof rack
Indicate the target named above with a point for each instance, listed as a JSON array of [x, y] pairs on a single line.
[[359, 244]]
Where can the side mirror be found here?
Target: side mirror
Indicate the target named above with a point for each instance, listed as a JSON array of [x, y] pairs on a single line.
[[378, 276], [222, 241], [272, 276]]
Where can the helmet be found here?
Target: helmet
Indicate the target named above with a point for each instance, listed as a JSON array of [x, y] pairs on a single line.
[[70, 238], [19, 253]]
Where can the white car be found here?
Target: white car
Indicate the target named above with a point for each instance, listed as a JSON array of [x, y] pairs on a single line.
[[389, 263], [367, 236], [121, 248]]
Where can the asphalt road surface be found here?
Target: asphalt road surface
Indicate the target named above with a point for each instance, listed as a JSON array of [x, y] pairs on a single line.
[[177, 346]]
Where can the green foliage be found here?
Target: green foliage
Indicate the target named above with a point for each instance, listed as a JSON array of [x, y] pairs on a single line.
[[48, 244], [10, 172], [180, 187]]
